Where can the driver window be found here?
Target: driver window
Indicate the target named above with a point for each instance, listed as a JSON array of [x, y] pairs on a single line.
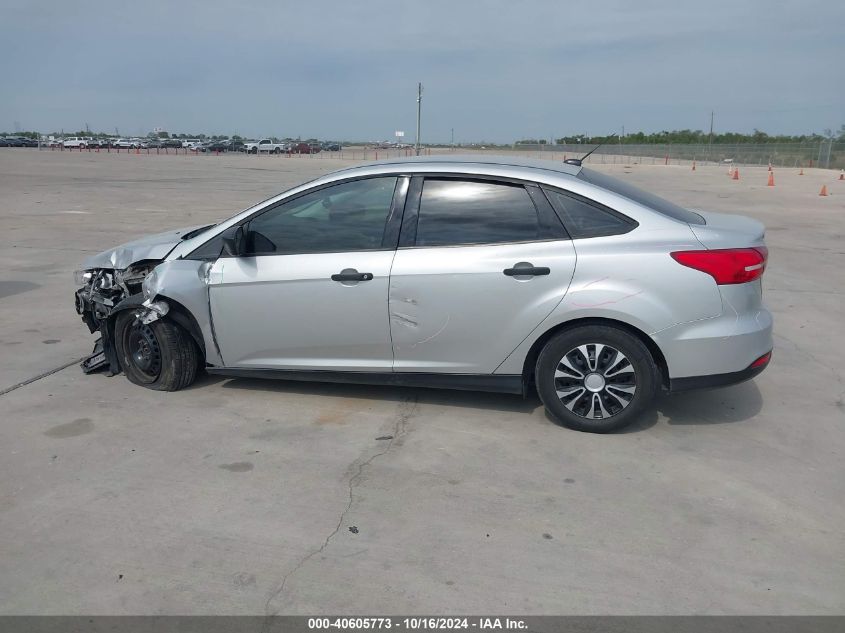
[[342, 218]]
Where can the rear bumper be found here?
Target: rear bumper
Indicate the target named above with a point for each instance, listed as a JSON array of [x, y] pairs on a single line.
[[720, 380], [719, 350]]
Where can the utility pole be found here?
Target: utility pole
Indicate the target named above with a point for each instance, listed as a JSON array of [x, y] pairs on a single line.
[[419, 104], [453, 138], [710, 140]]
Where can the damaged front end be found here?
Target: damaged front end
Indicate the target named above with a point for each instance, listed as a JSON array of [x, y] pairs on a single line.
[[106, 292]]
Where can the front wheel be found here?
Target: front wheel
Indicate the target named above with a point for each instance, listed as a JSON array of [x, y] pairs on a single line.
[[160, 355], [596, 378]]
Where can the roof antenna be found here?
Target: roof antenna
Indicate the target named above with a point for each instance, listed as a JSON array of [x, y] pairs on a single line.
[[577, 161]]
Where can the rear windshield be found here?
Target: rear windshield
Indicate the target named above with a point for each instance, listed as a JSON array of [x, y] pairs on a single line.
[[639, 196]]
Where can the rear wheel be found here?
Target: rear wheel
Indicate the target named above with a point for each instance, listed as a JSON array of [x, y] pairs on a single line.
[[595, 378], [160, 355]]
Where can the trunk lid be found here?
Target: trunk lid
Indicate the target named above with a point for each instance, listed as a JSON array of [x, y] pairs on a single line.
[[724, 230]]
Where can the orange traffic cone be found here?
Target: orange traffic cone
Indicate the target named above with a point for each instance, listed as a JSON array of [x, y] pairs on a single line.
[[823, 192], [693, 164], [736, 174], [841, 175], [771, 182], [801, 173]]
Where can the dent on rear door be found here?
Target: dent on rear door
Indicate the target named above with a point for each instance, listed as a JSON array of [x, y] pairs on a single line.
[[453, 310]]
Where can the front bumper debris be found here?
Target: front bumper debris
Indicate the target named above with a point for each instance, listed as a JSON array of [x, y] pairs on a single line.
[[97, 360], [104, 295]]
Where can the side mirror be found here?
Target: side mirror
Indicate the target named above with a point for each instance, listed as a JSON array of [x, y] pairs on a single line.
[[234, 242]]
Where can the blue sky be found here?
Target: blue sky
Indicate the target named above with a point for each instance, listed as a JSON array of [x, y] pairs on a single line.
[[492, 70]]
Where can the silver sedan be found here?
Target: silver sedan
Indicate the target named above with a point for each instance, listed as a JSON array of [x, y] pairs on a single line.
[[452, 272]]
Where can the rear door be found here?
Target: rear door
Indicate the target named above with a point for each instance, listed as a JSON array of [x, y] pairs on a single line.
[[480, 264]]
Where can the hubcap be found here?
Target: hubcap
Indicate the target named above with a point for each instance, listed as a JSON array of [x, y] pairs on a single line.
[[595, 381]]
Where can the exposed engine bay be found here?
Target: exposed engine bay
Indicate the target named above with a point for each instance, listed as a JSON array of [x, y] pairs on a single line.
[[113, 282], [104, 292]]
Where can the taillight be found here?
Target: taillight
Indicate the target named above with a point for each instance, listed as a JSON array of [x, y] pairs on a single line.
[[728, 265]]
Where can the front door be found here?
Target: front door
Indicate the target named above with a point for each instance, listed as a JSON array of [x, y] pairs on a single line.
[[311, 290]]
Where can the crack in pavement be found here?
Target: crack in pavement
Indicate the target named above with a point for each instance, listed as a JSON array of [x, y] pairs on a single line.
[[407, 410], [50, 372]]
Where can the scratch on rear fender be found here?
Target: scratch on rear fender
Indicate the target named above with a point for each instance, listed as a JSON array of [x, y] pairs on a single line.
[[608, 302]]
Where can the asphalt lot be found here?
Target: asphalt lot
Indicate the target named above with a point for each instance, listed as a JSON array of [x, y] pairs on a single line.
[[240, 497]]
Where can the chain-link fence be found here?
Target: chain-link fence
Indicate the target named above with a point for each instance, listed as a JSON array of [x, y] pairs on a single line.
[[826, 153]]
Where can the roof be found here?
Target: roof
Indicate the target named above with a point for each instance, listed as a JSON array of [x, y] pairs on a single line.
[[478, 159]]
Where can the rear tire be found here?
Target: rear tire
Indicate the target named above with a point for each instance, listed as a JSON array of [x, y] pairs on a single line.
[[160, 356], [595, 378]]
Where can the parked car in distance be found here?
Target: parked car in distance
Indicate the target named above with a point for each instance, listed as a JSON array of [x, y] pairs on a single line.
[[304, 148], [265, 145], [329, 146], [171, 142], [223, 145], [124, 143], [75, 142], [17, 141], [486, 274]]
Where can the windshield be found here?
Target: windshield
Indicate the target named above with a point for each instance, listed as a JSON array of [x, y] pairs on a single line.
[[639, 196]]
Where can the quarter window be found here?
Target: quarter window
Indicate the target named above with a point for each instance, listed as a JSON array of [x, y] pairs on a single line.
[[454, 212], [347, 217], [586, 219]]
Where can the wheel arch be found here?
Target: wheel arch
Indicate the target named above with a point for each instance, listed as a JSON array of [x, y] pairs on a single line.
[[536, 347], [183, 317], [177, 313]]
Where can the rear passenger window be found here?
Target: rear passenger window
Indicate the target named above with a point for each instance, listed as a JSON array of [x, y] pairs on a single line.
[[454, 212], [588, 219]]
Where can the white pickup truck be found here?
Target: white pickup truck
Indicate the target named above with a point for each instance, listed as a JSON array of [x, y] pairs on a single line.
[[264, 145]]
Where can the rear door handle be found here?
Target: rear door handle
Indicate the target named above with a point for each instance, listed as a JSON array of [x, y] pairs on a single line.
[[532, 271], [352, 275]]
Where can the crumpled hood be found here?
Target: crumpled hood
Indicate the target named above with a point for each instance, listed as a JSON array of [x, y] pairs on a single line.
[[150, 247]]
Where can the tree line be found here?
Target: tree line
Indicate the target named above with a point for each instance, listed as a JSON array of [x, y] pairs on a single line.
[[691, 137]]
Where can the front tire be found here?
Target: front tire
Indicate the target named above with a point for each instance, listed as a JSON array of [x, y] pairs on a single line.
[[596, 378], [160, 356]]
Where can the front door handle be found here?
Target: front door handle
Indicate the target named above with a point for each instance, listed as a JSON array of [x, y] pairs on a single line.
[[350, 274], [528, 271]]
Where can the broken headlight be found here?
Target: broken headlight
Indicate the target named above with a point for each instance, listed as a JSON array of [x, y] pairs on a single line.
[[82, 277], [148, 285]]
